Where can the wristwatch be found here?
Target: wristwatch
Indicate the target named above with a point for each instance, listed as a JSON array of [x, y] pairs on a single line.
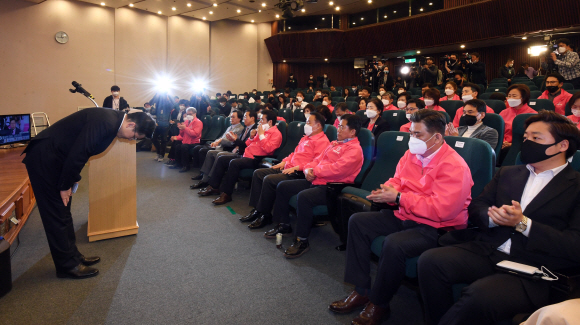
[[522, 225], [398, 199]]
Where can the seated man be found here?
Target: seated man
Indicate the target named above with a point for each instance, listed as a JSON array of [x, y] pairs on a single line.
[[432, 189], [388, 98], [224, 157], [224, 107], [341, 162], [189, 136], [265, 180], [528, 214], [473, 127], [470, 91], [223, 143], [413, 105], [263, 142], [299, 102], [340, 110], [555, 93]]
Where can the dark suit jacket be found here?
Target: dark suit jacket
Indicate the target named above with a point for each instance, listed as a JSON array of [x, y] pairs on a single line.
[[380, 126], [476, 73], [241, 141], [76, 138], [108, 103]]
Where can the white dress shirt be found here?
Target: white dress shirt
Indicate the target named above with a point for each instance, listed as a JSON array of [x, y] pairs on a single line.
[[535, 184]]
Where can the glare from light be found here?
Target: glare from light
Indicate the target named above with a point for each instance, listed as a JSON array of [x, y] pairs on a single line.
[[163, 85], [330, 3], [263, 4], [462, 46], [277, 16], [238, 10], [418, 52], [303, 10], [405, 70], [524, 38], [102, 3], [325, 59], [421, 9], [198, 85], [252, 20], [260, 10], [337, 8], [211, 12], [189, 4], [537, 50], [173, 8], [215, 4], [159, 12], [131, 5], [203, 18]]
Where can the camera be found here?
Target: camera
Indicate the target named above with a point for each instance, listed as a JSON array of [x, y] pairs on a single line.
[[289, 6]]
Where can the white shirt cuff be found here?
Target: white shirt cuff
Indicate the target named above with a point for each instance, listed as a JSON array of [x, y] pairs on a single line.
[[262, 137], [527, 231], [306, 171], [491, 223]]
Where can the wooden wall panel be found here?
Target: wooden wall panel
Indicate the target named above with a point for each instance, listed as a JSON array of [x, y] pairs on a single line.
[[456, 3], [341, 74]]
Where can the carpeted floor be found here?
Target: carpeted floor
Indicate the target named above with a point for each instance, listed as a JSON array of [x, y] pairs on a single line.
[[191, 263]]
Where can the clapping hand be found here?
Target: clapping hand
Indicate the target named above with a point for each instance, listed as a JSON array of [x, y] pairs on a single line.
[[506, 144], [253, 133], [507, 215], [451, 130], [180, 126], [386, 194]]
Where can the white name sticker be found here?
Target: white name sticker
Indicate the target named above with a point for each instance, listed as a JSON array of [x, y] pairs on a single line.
[[459, 144], [532, 103], [395, 114], [400, 138]]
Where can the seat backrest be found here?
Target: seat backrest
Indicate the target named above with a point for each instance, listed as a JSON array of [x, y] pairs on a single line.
[[391, 147], [446, 116], [299, 115], [216, 128], [481, 86], [416, 91], [308, 98], [534, 94], [330, 131], [517, 139], [484, 96], [337, 99], [282, 126], [227, 123], [351, 99], [286, 113], [252, 106], [496, 105], [568, 86], [496, 90], [335, 94], [540, 104], [395, 119], [533, 87], [479, 157], [361, 114], [367, 142], [451, 106], [294, 133], [352, 106], [206, 120]]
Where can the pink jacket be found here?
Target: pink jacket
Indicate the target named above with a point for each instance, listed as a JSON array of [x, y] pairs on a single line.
[[391, 107], [509, 114], [336, 120], [307, 149], [266, 147], [339, 162], [405, 127], [192, 132], [459, 113], [455, 97], [436, 195], [574, 119], [560, 101], [437, 108]]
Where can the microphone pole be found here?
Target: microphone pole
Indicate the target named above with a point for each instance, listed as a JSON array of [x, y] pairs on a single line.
[[79, 88]]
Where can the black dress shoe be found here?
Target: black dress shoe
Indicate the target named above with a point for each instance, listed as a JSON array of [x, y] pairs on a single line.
[[281, 228], [198, 177], [198, 185], [261, 222], [253, 215], [209, 191], [78, 272], [297, 249], [88, 261]]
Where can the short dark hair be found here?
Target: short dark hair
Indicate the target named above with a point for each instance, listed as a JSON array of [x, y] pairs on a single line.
[[231, 101], [427, 85], [563, 40], [390, 94], [310, 107], [354, 122], [299, 92], [270, 116], [476, 55], [556, 75], [252, 113], [144, 124], [368, 89], [407, 96], [473, 87], [222, 99], [238, 114], [115, 88], [509, 60], [420, 104], [478, 104], [399, 86], [452, 83], [341, 106], [184, 102], [325, 111], [319, 118], [229, 92], [524, 91], [378, 104], [146, 103], [269, 107], [218, 94], [256, 97], [498, 96], [573, 99], [434, 121], [561, 128], [433, 93]]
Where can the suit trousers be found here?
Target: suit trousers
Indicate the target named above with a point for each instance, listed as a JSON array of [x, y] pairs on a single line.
[[202, 153], [222, 164], [210, 162], [264, 183], [195, 154], [284, 191], [489, 298], [160, 139], [404, 239], [172, 151], [56, 217], [184, 156], [231, 177]]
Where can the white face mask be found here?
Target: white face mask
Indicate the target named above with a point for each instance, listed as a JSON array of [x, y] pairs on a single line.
[[401, 104], [265, 127], [514, 102], [576, 112], [318, 94], [182, 108], [429, 102], [307, 115], [400, 91], [449, 92], [115, 93], [260, 116], [354, 90], [223, 104], [299, 99], [467, 98], [418, 146], [382, 92], [189, 117], [371, 114], [253, 92], [385, 102], [325, 103], [561, 50], [408, 116], [307, 129]]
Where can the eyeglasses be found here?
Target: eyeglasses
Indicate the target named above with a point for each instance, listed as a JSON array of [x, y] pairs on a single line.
[[341, 127]]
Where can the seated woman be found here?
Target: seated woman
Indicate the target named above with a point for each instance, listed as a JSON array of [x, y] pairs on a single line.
[[388, 98], [574, 104], [517, 103], [323, 109], [189, 135], [308, 109], [471, 124], [346, 93], [362, 103], [403, 99], [431, 100], [375, 122], [451, 91]]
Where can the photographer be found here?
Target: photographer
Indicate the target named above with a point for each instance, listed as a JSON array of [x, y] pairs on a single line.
[[476, 70], [452, 65], [429, 72], [291, 83], [567, 61]]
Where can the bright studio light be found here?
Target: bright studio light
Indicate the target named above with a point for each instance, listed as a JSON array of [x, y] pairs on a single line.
[[405, 70], [163, 84], [537, 50], [198, 85]]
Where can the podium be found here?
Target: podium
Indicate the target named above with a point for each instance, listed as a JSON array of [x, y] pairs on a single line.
[[113, 192]]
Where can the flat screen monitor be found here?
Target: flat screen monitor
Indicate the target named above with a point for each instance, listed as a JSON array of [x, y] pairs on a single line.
[[14, 128]]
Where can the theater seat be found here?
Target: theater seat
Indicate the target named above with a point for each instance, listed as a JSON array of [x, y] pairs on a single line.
[[517, 139], [337, 99], [352, 106], [568, 86], [534, 94], [252, 106], [351, 99], [206, 120], [484, 96], [540, 104], [451, 107], [330, 132], [216, 128], [395, 119], [496, 105], [361, 114], [299, 115], [496, 90], [286, 113]]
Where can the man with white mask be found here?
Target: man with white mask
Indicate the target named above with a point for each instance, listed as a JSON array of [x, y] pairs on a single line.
[[432, 189], [115, 101]]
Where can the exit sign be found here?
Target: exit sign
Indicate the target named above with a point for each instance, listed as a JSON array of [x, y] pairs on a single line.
[[410, 60]]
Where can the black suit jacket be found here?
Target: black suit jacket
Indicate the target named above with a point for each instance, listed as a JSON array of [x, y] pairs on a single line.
[[380, 126], [476, 73], [241, 141], [108, 103], [76, 138]]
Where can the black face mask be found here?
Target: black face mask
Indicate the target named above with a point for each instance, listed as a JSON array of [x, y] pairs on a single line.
[[533, 152], [552, 89], [468, 120], [452, 61]]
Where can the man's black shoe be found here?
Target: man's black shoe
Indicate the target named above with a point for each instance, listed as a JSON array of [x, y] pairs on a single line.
[[297, 249], [253, 215], [88, 261], [197, 178], [261, 222], [198, 185], [78, 272], [281, 228]]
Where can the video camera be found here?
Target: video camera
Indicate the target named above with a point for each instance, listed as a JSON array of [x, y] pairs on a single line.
[[289, 6]]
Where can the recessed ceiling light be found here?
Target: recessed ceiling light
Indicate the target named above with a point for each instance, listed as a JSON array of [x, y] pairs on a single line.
[[283, 60], [315, 28], [215, 4], [131, 5], [421, 9], [102, 3], [238, 10], [303, 10], [159, 12], [289, 27], [362, 18], [277, 16], [418, 52], [322, 18], [524, 38], [430, 3], [252, 20], [263, 4], [370, 1], [385, 16], [337, 8], [395, 12], [203, 18], [211, 12], [325, 59], [353, 23], [173, 8], [462, 46], [330, 3], [260, 10], [189, 4]]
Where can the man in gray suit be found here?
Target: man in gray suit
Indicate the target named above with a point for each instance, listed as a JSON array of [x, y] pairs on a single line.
[[471, 124]]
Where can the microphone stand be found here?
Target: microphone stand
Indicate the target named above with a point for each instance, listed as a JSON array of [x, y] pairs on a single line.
[[85, 94]]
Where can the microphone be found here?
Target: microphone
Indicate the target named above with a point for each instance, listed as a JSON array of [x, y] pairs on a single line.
[[79, 88]]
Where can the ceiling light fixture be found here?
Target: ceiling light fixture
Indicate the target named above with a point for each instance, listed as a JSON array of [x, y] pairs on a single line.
[[238, 10], [418, 52], [430, 3], [353, 23], [362, 18], [395, 12], [159, 12], [173, 8], [215, 4], [252, 20], [189, 4], [289, 27], [337, 8], [385, 16], [325, 59], [370, 1], [283, 60], [260, 10], [331, 3], [102, 3], [277, 16], [203, 18], [303, 10], [525, 38], [131, 5], [462, 46], [421, 9], [315, 28], [322, 18], [263, 4], [211, 12]]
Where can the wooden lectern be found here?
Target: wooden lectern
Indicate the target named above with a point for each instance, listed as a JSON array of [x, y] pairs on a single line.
[[113, 192]]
